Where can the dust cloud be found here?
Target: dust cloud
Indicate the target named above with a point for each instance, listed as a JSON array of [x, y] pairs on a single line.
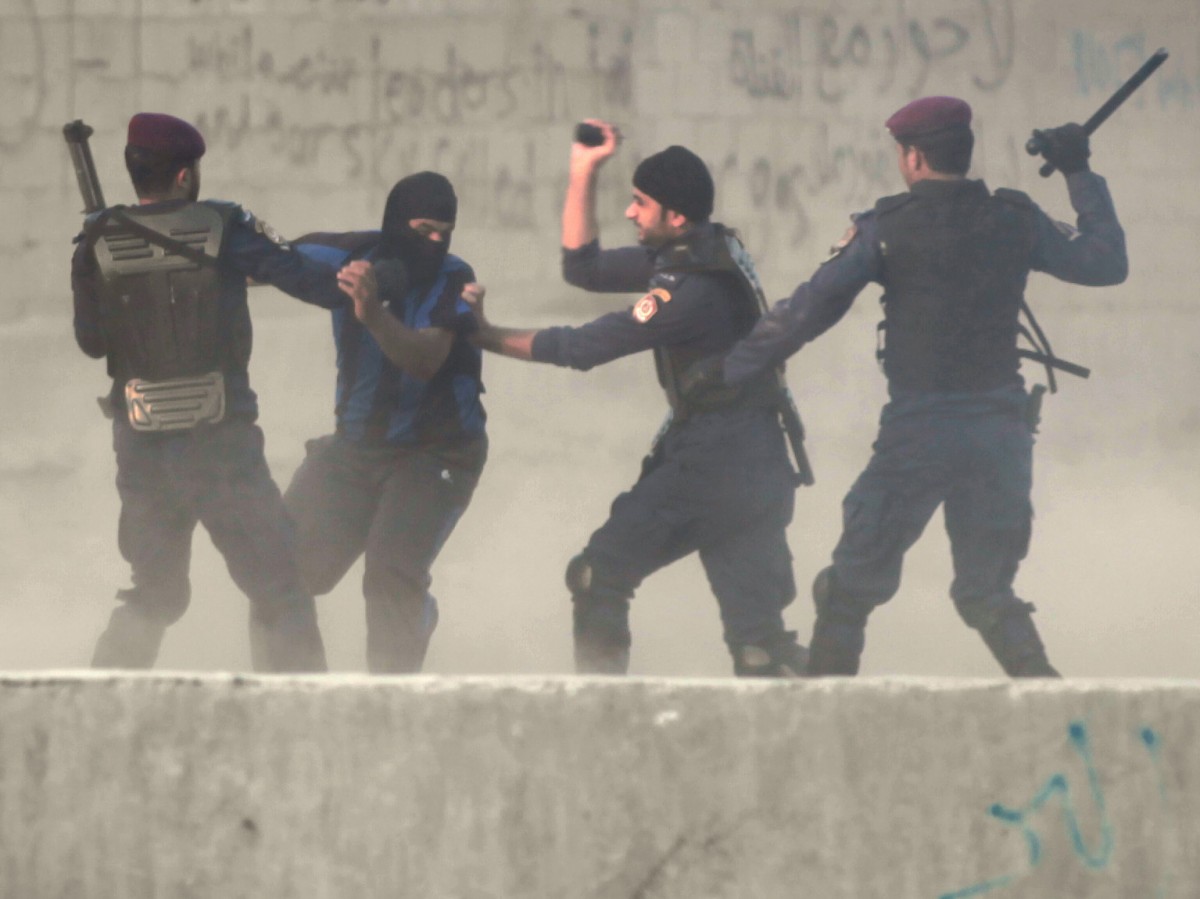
[[1113, 568]]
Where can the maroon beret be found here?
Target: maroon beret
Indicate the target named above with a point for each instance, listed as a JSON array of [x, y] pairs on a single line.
[[927, 115], [165, 134]]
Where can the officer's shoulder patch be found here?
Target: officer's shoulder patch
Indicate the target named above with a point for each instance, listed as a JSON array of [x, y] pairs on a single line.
[[647, 307], [836, 249], [263, 228]]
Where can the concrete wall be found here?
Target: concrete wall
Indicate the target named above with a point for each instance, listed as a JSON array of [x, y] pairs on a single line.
[[182, 786], [312, 108]]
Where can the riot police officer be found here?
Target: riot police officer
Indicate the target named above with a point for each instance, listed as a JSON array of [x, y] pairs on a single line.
[[718, 481], [953, 258], [160, 292]]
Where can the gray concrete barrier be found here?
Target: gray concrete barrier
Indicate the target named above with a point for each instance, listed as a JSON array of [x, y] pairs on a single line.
[[171, 785]]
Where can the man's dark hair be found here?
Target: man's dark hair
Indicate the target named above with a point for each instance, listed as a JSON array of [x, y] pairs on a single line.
[[153, 172], [947, 151]]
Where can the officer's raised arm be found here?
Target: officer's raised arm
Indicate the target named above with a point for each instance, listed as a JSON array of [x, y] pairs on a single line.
[[1093, 251], [579, 225], [584, 264]]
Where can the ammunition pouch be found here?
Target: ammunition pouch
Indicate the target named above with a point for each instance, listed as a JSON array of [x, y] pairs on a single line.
[[175, 404]]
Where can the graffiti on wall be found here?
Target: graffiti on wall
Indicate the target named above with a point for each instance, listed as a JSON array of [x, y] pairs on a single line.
[[1102, 65], [1094, 851], [823, 57]]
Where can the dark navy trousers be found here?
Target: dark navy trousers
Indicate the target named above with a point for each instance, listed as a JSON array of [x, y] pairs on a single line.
[[719, 485], [216, 476], [971, 452], [397, 505]]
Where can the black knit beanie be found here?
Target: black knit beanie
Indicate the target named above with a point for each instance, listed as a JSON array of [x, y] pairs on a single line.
[[679, 180]]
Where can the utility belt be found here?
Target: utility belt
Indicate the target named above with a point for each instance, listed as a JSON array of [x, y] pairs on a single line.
[[761, 392], [766, 391], [175, 404]]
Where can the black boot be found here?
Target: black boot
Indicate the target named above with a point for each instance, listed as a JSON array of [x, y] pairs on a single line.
[[1014, 641], [836, 647], [593, 658], [602, 637], [781, 656], [131, 640], [839, 633], [288, 642]]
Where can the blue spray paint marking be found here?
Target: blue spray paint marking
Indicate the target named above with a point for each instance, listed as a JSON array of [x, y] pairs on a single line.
[[1056, 788], [1102, 66], [1153, 743]]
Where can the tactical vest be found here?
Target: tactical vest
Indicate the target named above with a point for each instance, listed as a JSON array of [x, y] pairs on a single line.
[[161, 308], [713, 248], [955, 264]]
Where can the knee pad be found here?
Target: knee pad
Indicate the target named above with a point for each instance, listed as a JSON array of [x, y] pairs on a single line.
[[579, 576], [832, 604]]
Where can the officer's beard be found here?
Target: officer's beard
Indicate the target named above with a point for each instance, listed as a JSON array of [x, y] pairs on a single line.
[[421, 256]]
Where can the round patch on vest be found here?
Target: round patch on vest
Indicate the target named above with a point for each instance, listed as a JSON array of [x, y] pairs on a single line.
[[646, 308]]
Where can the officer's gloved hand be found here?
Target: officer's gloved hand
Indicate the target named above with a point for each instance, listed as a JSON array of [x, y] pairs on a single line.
[[392, 277], [702, 380], [1066, 148]]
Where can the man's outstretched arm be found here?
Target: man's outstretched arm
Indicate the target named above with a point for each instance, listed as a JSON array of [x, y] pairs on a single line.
[[813, 308], [516, 343]]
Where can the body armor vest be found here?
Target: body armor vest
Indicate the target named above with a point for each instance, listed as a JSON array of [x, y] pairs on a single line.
[[955, 264], [713, 248], [161, 304], [161, 309]]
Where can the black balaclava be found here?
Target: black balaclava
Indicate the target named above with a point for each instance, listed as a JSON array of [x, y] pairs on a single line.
[[425, 195]]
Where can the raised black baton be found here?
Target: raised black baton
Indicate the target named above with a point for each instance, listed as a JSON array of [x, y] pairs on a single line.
[[76, 134], [1037, 144]]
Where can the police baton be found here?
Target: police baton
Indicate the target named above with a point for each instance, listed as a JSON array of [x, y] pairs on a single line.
[[1037, 144]]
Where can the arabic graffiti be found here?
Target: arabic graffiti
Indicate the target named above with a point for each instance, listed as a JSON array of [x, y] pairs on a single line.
[[776, 62], [1095, 854], [1101, 66]]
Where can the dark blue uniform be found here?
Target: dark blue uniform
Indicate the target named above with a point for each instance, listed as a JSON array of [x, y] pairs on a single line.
[[718, 482], [395, 478], [953, 261], [213, 474]]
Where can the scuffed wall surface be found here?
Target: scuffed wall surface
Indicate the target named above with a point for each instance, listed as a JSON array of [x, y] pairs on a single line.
[[140, 787]]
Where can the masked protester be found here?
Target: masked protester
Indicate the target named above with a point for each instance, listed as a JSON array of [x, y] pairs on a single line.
[[409, 446], [169, 313]]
